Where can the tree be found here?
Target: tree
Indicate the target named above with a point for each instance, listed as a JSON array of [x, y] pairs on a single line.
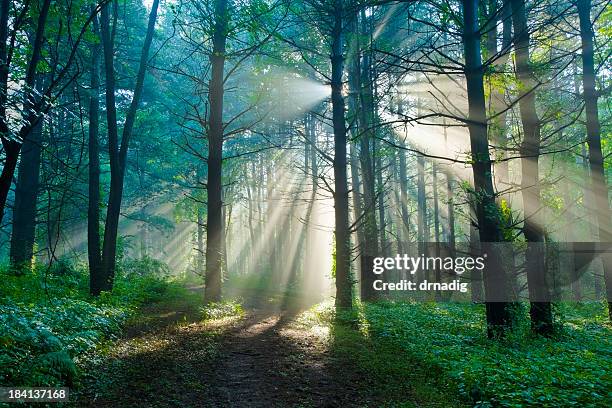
[[96, 277], [26, 197], [596, 160], [118, 153], [214, 221], [540, 310], [361, 100], [30, 104], [341, 193], [495, 279]]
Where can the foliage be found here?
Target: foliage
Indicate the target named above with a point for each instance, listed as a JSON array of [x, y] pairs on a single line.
[[448, 340], [49, 320], [221, 309], [146, 266]]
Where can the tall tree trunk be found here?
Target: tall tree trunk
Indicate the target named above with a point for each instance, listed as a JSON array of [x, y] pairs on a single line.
[[341, 199], [311, 141], [118, 154], [26, 194], [11, 147], [596, 160], [96, 278], [359, 77], [354, 81], [249, 187], [214, 221], [535, 265], [495, 279]]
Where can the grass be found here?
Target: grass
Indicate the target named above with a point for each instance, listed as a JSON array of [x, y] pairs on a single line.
[[438, 354]]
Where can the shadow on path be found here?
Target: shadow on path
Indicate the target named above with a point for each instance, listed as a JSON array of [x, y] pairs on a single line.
[[264, 359]]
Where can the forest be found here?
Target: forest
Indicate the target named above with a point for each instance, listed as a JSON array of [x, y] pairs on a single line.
[[306, 203]]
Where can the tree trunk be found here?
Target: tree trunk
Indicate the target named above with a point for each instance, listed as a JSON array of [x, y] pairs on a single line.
[[474, 248], [498, 93], [596, 161], [421, 206], [380, 198], [11, 147], [118, 154], [495, 279], [26, 194], [436, 217], [535, 265], [341, 199], [359, 75], [403, 179], [96, 279], [450, 205], [214, 221]]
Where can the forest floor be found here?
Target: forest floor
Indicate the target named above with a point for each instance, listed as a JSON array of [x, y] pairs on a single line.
[[267, 357]]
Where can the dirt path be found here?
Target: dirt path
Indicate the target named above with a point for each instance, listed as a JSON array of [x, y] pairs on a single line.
[[271, 361], [264, 359]]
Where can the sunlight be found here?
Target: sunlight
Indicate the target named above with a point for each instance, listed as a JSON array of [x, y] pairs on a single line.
[[288, 94], [385, 20]]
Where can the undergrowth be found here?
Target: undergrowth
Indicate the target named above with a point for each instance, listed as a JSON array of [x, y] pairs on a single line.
[[222, 309], [403, 346], [49, 320]]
